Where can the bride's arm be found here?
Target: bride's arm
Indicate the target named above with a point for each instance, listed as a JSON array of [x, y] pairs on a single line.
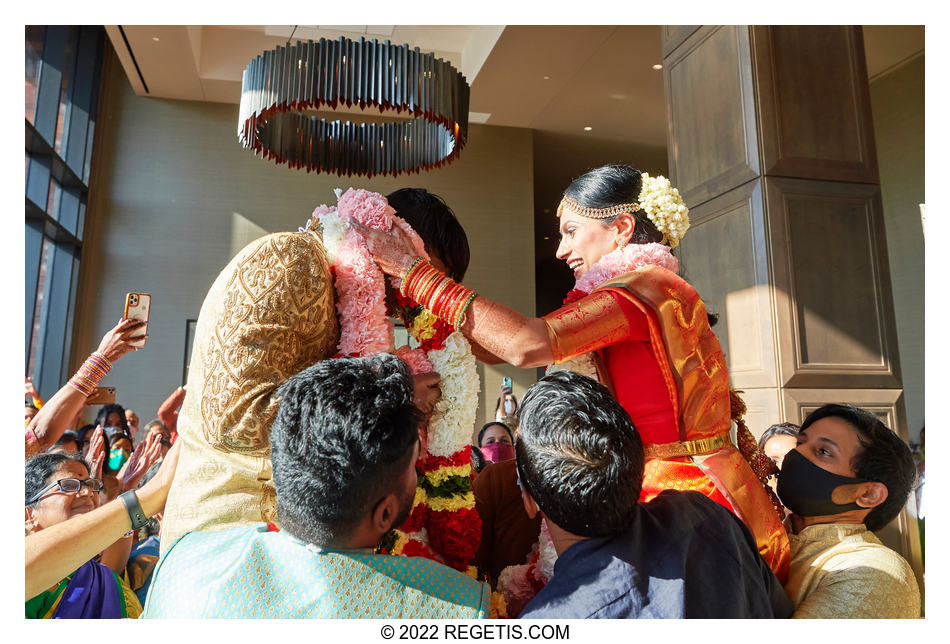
[[502, 332], [589, 324], [514, 338]]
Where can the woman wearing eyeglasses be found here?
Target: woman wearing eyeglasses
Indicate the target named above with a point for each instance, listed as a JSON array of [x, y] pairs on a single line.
[[58, 488]]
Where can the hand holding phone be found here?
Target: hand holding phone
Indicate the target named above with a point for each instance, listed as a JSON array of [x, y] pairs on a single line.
[[117, 341], [508, 403], [137, 307]]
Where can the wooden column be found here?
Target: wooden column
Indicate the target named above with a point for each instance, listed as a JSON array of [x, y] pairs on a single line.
[[771, 145]]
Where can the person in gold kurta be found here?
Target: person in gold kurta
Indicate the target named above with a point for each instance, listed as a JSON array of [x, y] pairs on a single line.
[[269, 314], [849, 475]]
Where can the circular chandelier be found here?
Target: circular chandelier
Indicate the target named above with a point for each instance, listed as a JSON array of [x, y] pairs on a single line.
[[280, 86]]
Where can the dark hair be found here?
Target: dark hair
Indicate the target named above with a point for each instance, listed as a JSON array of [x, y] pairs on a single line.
[[778, 429], [612, 185], [492, 423], [885, 458], [152, 423], [103, 415], [436, 224], [68, 436], [478, 459], [344, 431], [579, 456], [41, 467]]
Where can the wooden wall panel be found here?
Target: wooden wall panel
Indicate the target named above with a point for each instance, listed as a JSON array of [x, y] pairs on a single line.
[[834, 311], [764, 408], [814, 125], [724, 257], [711, 113], [673, 36]]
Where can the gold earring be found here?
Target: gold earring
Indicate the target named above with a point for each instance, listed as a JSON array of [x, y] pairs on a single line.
[[621, 243]]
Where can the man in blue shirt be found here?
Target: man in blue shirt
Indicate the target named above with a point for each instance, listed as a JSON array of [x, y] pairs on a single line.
[[580, 462]]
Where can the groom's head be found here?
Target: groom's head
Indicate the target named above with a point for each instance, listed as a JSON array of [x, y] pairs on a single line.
[[441, 232]]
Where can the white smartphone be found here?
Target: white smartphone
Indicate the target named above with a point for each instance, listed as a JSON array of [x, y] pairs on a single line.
[[137, 306]]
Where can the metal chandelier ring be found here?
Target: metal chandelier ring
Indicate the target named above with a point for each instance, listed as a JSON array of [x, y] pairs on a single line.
[[279, 86]]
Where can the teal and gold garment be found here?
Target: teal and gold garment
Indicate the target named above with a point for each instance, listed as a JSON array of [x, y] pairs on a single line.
[[250, 572]]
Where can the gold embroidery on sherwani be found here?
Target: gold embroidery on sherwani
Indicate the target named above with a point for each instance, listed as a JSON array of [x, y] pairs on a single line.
[[269, 314]]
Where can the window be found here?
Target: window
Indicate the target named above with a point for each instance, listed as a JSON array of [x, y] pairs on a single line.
[[63, 65]]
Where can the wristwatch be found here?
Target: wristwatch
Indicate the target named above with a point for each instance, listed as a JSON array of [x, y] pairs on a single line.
[[132, 506]]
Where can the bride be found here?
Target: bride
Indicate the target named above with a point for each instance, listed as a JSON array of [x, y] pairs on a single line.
[[630, 322]]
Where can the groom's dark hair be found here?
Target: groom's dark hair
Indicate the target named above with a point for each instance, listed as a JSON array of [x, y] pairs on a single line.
[[436, 224], [344, 432]]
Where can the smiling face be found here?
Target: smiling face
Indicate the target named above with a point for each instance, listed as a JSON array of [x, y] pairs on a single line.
[[56, 506], [584, 241], [832, 444]]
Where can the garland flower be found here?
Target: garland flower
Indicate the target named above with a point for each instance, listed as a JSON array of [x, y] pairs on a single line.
[[664, 206], [443, 524], [519, 584]]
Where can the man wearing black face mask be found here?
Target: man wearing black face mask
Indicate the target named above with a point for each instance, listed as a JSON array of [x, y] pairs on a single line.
[[848, 476]]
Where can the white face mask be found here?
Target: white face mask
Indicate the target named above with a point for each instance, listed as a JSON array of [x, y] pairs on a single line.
[[509, 407]]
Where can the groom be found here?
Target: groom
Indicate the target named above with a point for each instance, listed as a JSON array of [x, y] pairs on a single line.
[[270, 314]]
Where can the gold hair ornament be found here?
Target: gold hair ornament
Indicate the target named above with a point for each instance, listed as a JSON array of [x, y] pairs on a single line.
[[659, 200]]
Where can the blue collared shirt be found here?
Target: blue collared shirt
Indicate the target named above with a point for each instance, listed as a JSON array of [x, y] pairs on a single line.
[[683, 556]]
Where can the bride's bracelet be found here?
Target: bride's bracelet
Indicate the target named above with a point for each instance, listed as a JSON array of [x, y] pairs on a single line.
[[443, 296]]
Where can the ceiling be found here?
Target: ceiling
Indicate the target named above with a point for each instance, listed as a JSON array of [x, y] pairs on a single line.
[[554, 79], [589, 93]]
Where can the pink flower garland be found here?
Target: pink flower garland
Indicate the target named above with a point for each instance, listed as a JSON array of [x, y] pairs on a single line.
[[624, 260], [365, 330]]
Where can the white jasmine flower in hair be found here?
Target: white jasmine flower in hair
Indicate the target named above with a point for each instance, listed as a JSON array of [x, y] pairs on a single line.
[[665, 208]]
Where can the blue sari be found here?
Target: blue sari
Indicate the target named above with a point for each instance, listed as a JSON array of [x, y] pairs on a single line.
[[94, 591]]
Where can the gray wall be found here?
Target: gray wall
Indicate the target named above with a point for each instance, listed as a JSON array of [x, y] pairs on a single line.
[[174, 197], [897, 105]]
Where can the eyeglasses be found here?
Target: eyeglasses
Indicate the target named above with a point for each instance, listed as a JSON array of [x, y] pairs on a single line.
[[70, 486]]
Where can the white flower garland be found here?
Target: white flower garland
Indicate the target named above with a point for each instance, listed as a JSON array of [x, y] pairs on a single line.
[[452, 421]]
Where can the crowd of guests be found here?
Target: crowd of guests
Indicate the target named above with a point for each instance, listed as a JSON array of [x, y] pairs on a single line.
[[572, 462], [277, 503], [84, 559]]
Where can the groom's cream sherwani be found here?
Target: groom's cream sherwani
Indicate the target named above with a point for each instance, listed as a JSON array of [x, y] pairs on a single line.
[[269, 314]]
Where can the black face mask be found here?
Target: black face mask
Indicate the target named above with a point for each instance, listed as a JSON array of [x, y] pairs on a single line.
[[805, 488]]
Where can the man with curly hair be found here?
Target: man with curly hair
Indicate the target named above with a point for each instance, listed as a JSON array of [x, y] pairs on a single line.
[[343, 445]]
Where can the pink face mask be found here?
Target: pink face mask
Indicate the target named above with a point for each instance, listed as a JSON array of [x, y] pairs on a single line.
[[498, 452]]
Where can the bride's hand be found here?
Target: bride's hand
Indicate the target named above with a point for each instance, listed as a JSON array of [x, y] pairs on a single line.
[[392, 250]]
